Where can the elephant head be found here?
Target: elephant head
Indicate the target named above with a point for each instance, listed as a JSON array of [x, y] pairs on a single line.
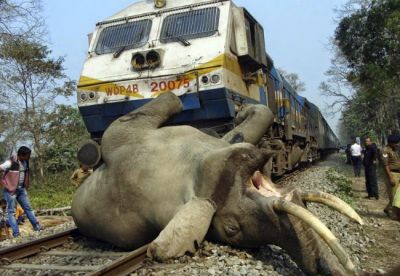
[[173, 185]]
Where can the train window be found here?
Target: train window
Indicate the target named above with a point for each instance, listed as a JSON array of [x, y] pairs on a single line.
[[189, 25], [124, 36]]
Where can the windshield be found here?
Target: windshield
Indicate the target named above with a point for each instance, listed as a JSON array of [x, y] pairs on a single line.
[[189, 25], [124, 36]]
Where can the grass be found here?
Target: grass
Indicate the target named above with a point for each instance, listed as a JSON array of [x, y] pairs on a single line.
[[343, 186], [53, 191]]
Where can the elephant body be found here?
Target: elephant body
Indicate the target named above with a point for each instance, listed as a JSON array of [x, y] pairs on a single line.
[[172, 185]]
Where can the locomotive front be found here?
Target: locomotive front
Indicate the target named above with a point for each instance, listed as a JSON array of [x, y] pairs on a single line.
[[151, 48]]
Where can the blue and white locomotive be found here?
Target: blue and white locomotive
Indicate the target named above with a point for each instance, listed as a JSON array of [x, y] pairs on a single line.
[[211, 54]]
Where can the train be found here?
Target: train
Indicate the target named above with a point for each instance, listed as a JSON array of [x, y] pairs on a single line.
[[210, 53]]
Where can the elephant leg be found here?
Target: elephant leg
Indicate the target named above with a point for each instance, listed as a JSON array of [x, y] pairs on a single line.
[[185, 232], [146, 118], [252, 122], [154, 113]]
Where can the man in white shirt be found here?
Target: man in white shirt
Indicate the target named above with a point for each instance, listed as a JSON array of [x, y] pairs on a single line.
[[20, 195], [356, 160]]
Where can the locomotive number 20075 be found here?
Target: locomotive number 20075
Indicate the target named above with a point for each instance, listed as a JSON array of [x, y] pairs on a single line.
[[163, 86]]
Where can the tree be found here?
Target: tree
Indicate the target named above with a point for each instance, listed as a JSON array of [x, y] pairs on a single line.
[[20, 18], [294, 81], [337, 85], [66, 131], [343, 133], [32, 80], [369, 39], [367, 43]]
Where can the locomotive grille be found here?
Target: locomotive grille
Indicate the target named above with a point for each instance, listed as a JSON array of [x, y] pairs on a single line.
[[124, 36], [191, 24]]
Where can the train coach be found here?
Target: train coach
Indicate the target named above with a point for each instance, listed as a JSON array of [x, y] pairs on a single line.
[[211, 53]]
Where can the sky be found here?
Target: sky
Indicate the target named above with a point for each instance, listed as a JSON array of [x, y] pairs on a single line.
[[297, 35]]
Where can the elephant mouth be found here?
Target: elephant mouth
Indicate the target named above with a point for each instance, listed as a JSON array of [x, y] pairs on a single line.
[[266, 187]]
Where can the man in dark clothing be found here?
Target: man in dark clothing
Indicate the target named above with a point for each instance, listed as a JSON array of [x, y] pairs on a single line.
[[369, 161]]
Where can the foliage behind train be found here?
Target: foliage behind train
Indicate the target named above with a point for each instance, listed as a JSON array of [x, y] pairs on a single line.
[[211, 54]]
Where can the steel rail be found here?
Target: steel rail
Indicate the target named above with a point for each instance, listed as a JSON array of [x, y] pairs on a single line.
[[10, 254], [124, 265]]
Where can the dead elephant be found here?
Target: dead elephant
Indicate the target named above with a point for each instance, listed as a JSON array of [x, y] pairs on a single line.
[[173, 185]]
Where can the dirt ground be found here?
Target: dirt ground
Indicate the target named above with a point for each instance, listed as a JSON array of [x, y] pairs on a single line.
[[383, 231], [45, 221]]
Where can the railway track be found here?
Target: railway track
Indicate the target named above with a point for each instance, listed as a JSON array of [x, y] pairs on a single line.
[[26, 257], [289, 176], [29, 256]]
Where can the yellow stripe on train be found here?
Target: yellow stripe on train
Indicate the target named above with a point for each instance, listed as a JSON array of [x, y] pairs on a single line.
[[131, 89]]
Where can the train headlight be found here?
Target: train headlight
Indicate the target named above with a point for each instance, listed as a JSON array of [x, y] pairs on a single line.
[[138, 61], [216, 78], [92, 95], [205, 79], [153, 59], [83, 96], [160, 3]]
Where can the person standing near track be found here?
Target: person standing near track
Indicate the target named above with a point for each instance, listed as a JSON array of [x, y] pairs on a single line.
[[391, 163], [15, 182], [356, 150], [370, 160]]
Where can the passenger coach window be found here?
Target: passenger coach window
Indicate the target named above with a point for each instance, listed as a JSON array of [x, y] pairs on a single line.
[[189, 25], [123, 37]]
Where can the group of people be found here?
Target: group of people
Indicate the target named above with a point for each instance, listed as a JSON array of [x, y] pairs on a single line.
[[15, 181], [369, 158]]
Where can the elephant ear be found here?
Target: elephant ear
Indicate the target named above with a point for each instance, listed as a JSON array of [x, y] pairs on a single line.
[[185, 232]]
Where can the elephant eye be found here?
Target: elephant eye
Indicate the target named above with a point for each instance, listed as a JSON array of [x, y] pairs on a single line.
[[231, 230]]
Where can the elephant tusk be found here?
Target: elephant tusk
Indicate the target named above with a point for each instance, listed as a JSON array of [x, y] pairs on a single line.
[[319, 227], [333, 202]]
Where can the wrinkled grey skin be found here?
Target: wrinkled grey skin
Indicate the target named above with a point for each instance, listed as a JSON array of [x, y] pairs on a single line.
[[150, 171]]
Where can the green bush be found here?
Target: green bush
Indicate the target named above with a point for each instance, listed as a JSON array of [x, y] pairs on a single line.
[[53, 191], [343, 186]]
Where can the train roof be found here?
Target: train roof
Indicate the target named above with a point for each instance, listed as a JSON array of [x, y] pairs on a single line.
[[313, 107], [288, 87], [147, 7], [301, 100], [277, 76]]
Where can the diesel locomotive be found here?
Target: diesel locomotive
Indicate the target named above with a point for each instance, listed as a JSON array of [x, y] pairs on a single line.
[[211, 53]]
